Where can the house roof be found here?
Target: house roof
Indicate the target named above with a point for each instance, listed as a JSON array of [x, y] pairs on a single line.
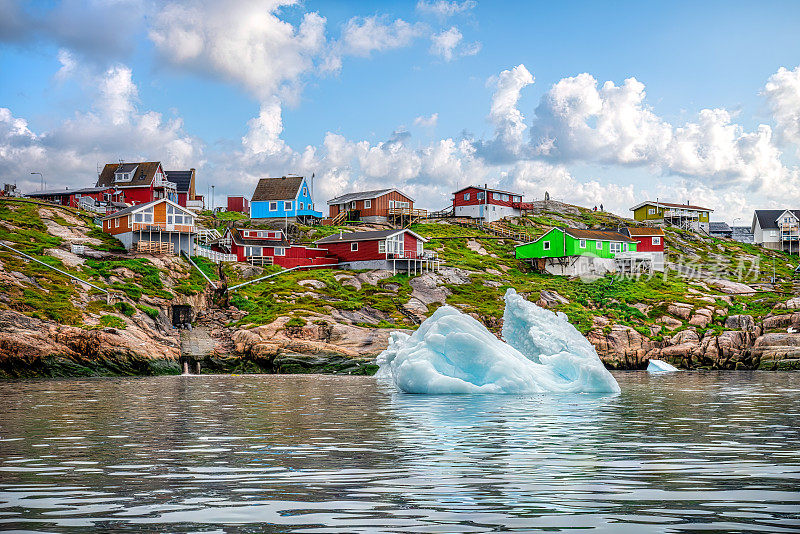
[[65, 192], [365, 236], [145, 171], [282, 188], [138, 207], [719, 226], [488, 189], [669, 205], [601, 235], [181, 179], [768, 219], [258, 242], [364, 195], [645, 231]]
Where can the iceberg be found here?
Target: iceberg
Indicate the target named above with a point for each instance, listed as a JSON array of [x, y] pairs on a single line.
[[453, 353], [657, 366]]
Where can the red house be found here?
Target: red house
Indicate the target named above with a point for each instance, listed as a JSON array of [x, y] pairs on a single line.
[[138, 183], [269, 247], [648, 239], [486, 203], [380, 249], [239, 204]]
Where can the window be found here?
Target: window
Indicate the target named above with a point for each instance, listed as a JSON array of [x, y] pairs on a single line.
[[419, 248], [144, 216], [367, 204], [273, 206], [651, 211], [583, 243], [302, 206], [353, 247], [177, 216], [546, 245], [381, 247], [305, 191], [599, 245], [280, 251], [287, 205], [656, 241], [391, 204], [466, 196], [116, 222], [615, 247], [481, 195]]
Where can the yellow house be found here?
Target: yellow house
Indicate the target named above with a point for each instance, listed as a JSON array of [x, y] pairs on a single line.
[[684, 215]]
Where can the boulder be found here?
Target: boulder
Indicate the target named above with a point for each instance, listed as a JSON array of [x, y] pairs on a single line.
[[316, 284], [622, 348], [548, 299], [730, 287], [476, 247], [670, 323], [793, 303], [680, 309], [426, 289], [740, 322]]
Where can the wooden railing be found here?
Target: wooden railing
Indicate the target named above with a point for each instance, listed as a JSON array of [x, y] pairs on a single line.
[[260, 260], [163, 227], [155, 247], [407, 212], [340, 217]]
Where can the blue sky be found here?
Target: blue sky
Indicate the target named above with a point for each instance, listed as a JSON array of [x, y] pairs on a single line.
[[360, 94]]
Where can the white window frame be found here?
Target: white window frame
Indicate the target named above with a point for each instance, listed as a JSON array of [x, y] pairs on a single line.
[[582, 243], [382, 247], [367, 204], [354, 246], [273, 206], [546, 245], [279, 251], [287, 205], [466, 196], [116, 222], [656, 240], [302, 206], [651, 211], [599, 245], [391, 204]]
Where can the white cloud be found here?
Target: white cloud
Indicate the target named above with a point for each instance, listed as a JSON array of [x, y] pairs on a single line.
[[782, 92], [448, 44], [68, 64], [242, 41], [427, 122], [68, 154], [508, 121], [263, 137], [444, 9], [364, 35]]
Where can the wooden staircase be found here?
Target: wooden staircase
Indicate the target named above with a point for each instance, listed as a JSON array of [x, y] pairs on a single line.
[[340, 218]]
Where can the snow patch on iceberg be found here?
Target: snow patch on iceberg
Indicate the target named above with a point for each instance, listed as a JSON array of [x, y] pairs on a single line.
[[453, 353], [658, 366]]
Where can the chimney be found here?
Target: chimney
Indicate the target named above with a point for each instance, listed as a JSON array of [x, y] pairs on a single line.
[[341, 234]]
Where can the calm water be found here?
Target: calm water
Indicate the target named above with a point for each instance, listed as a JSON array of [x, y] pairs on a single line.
[[687, 452]]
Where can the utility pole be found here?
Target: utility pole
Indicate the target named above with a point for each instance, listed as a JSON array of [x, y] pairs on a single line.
[[212, 199], [42, 177]]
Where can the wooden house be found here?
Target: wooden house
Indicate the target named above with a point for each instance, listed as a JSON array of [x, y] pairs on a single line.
[[380, 249], [185, 187], [238, 203], [138, 183], [160, 227], [685, 216], [286, 199], [573, 251], [269, 247], [486, 203], [378, 206], [777, 229]]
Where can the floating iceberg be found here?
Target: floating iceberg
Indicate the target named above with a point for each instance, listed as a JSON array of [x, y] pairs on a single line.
[[453, 353], [657, 366]]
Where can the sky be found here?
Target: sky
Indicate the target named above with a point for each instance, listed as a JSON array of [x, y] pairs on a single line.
[[595, 103]]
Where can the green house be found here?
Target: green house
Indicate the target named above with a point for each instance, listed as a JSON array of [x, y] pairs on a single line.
[[684, 215], [562, 242]]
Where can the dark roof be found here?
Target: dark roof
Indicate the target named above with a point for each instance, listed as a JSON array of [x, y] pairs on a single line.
[[145, 171], [598, 234], [358, 236], [364, 195], [647, 231], [239, 240], [719, 227], [481, 188], [769, 218], [283, 188], [65, 192], [181, 179], [670, 205]]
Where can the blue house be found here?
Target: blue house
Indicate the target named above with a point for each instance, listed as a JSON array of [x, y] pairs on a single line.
[[287, 198]]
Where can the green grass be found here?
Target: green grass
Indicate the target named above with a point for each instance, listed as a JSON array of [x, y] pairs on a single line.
[[153, 313], [111, 321]]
